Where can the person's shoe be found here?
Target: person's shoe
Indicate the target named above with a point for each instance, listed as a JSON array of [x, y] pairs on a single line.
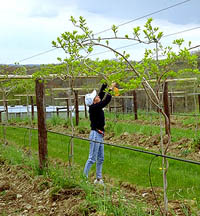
[[98, 181]]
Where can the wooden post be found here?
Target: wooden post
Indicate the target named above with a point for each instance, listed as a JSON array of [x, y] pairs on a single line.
[[32, 108], [135, 104], [6, 107], [122, 102], [76, 107], [171, 103], [51, 95], [199, 101], [166, 105], [147, 103], [85, 107], [67, 100], [0, 116], [42, 132], [57, 111], [186, 105]]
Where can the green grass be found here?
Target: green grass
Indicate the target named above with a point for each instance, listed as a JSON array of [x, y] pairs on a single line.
[[98, 198], [121, 164], [119, 127]]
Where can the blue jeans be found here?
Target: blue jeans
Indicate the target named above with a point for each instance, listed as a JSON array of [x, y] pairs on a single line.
[[96, 154]]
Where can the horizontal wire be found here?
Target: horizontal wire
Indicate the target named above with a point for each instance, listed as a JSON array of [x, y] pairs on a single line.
[[114, 145], [168, 35], [158, 11], [42, 53]]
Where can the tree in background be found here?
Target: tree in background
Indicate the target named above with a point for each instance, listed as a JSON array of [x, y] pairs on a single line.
[[8, 86]]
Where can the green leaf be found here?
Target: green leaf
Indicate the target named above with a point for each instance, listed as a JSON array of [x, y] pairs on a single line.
[[160, 34], [54, 43], [90, 49]]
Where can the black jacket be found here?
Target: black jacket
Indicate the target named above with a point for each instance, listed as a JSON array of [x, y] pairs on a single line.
[[96, 112]]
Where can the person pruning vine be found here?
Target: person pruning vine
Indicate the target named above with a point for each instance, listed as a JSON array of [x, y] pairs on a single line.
[[96, 103]]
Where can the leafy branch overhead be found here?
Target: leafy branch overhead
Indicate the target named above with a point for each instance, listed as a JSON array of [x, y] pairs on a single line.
[[79, 44], [159, 63]]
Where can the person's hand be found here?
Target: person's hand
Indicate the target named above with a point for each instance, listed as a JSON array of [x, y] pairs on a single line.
[[112, 86]]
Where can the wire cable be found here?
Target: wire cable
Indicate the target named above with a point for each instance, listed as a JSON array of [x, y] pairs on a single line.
[[115, 145], [42, 53], [133, 20], [191, 29], [194, 47], [155, 12], [133, 44], [129, 45]]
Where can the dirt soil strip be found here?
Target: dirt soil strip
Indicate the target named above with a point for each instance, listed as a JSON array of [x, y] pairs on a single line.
[[21, 194]]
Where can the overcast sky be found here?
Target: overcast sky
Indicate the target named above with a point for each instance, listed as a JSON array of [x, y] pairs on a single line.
[[29, 26]]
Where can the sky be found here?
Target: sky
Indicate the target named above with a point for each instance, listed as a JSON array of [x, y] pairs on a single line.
[[29, 26]]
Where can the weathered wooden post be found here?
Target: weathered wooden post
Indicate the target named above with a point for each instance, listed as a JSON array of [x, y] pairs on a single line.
[[67, 101], [57, 111], [85, 107], [76, 106], [135, 104], [32, 108], [166, 105], [186, 105], [199, 101], [1, 115], [6, 108], [123, 107], [109, 108], [184, 102], [42, 132], [171, 103]]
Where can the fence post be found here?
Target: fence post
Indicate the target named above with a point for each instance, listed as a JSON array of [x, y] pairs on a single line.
[[6, 107], [171, 103], [57, 111], [85, 107], [76, 107], [135, 104], [199, 101], [32, 108], [67, 101], [0, 116], [42, 132], [166, 104], [123, 108], [109, 108]]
